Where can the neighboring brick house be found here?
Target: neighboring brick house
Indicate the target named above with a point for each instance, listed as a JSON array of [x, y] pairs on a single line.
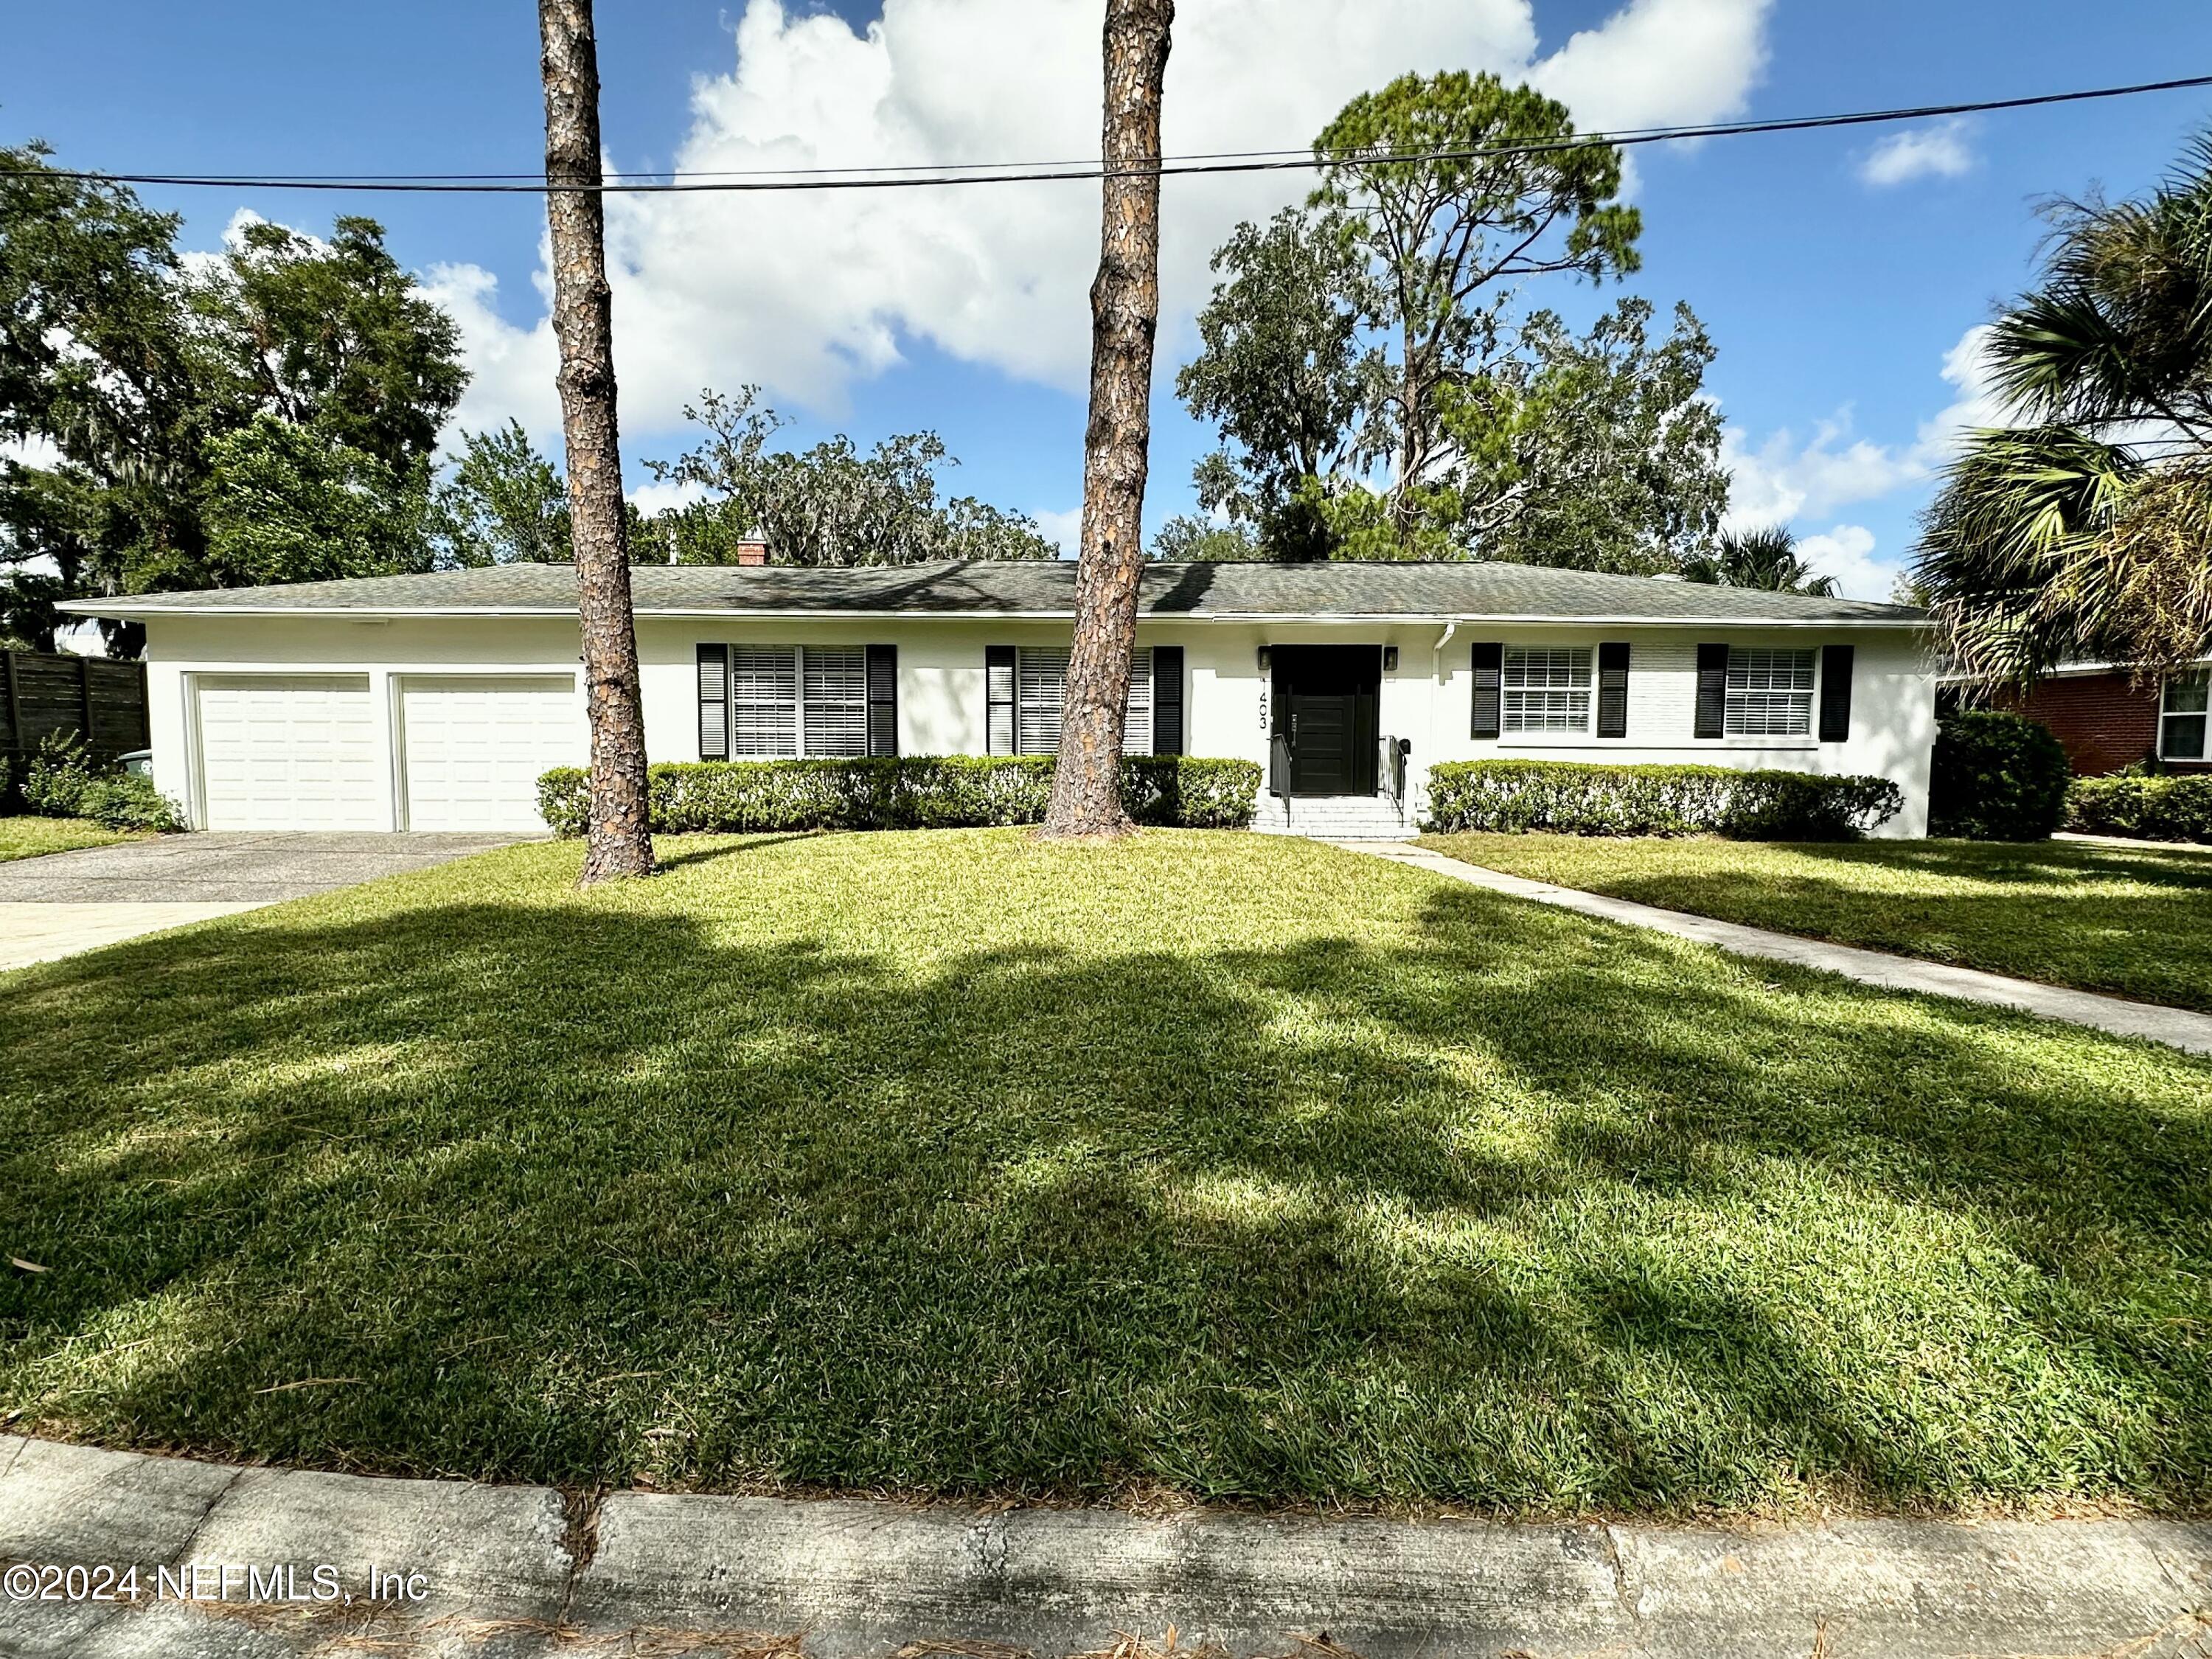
[[2107, 723]]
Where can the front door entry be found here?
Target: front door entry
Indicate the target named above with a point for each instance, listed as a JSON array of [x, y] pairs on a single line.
[[1325, 710]]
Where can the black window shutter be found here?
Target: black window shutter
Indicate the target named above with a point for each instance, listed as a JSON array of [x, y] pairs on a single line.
[[1613, 689], [998, 699], [1167, 700], [1836, 693], [883, 700], [713, 703], [1712, 691], [1489, 660]]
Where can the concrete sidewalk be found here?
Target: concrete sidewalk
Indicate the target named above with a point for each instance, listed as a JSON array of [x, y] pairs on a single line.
[[43, 933], [517, 1572], [2179, 1028]]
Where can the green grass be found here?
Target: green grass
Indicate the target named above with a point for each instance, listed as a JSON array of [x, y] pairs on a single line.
[[29, 837], [956, 1162], [2137, 923]]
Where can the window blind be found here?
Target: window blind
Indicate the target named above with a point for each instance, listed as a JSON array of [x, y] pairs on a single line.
[[1043, 696], [1548, 688], [763, 702], [1770, 693], [837, 705]]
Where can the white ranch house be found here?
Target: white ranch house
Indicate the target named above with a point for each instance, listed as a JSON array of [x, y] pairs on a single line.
[[435, 701]]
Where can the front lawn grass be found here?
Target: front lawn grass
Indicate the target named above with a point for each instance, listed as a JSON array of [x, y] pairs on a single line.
[[1235, 1166], [24, 837], [2137, 923]]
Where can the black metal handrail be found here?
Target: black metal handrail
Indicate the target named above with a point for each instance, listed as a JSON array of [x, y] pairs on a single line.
[[1392, 770]]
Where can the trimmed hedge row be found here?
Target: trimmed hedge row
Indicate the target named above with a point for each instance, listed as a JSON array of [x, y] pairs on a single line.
[[1573, 798], [919, 791], [1997, 776], [2155, 809]]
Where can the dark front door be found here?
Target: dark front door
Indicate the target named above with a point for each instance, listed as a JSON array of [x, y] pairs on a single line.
[[1325, 709]]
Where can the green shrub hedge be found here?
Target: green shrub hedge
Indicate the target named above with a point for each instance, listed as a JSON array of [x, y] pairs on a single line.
[[62, 782], [1997, 776], [919, 791], [2155, 809], [1572, 798]]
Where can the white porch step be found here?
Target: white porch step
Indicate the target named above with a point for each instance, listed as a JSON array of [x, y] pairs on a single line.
[[1332, 818]]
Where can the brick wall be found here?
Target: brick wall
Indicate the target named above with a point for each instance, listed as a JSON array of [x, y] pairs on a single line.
[[2104, 723]]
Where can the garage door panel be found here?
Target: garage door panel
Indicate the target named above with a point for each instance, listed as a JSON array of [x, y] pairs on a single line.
[[289, 751], [475, 746]]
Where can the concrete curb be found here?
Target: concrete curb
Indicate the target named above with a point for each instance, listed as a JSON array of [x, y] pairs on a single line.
[[2178, 1028], [515, 1573]]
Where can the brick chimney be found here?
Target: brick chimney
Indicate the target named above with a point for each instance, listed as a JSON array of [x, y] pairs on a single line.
[[752, 550]]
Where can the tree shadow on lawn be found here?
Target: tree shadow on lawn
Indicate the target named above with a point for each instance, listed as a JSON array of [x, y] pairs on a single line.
[[1521, 1210]]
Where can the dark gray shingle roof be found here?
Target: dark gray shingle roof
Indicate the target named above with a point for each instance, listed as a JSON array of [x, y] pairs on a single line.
[[1045, 589]]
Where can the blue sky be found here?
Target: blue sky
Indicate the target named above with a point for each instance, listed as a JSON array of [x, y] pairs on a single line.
[[1836, 287]]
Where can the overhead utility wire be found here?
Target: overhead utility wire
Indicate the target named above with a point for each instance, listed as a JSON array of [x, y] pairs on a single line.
[[1019, 172]]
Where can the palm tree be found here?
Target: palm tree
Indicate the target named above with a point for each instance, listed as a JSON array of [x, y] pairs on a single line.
[[1124, 309], [2085, 530], [1764, 558]]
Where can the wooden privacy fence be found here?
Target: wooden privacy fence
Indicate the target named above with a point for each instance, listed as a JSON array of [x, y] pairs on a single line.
[[42, 693]]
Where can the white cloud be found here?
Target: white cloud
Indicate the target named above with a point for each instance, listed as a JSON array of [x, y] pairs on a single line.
[[656, 496], [1779, 479], [1845, 551], [1063, 530], [35, 449], [1938, 152], [809, 293], [1782, 481]]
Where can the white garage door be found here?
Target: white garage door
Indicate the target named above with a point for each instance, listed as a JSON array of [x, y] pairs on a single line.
[[288, 752], [475, 747]]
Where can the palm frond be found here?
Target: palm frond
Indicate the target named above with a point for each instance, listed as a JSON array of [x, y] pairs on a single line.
[[2045, 545]]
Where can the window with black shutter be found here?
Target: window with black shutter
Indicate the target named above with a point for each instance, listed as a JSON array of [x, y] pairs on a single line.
[[1712, 691], [1167, 700], [713, 703], [883, 700], [1836, 693], [1613, 689], [1488, 658]]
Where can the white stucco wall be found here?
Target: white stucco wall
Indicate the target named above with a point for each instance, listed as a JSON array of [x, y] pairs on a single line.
[[1426, 699]]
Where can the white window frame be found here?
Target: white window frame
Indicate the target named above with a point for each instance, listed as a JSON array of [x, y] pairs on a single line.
[[1758, 703], [1557, 694], [2200, 683], [1036, 722], [798, 735]]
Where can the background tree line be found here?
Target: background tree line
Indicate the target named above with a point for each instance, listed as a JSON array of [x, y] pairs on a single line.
[[1386, 387], [273, 413]]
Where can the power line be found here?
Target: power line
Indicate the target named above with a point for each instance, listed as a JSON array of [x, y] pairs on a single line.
[[985, 173]]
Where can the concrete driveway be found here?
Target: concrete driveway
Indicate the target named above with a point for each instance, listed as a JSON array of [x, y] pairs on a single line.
[[65, 903]]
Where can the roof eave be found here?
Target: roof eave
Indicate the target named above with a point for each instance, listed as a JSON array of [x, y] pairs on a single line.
[[124, 611]]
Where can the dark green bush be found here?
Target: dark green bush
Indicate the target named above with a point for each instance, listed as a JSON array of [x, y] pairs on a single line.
[[1997, 776], [1572, 798], [2155, 809], [919, 791], [62, 782]]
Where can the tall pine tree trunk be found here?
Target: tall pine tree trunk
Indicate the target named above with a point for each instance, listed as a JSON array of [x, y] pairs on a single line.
[[1124, 309], [619, 839]]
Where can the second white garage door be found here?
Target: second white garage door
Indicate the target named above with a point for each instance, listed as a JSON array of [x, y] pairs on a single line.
[[475, 746], [289, 751]]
